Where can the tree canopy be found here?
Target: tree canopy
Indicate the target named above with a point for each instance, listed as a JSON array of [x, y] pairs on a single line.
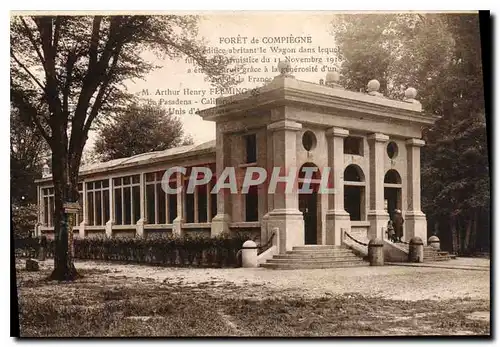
[[141, 128], [440, 56], [69, 71]]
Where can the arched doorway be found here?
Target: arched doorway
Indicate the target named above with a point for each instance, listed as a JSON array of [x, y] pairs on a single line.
[[392, 192], [309, 178], [354, 192]]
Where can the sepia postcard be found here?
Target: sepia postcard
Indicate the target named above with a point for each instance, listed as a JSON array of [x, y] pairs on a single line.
[[250, 174]]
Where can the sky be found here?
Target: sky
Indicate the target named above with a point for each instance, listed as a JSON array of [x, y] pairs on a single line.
[[214, 27]]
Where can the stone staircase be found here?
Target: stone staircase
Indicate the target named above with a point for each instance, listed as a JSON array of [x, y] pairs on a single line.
[[430, 253], [315, 257]]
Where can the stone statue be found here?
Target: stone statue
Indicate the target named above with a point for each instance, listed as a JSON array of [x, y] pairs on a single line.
[[398, 225]]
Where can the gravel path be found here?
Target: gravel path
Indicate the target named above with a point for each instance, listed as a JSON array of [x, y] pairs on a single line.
[[391, 282]]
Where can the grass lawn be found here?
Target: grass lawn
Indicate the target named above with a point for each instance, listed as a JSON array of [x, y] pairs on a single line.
[[106, 304]]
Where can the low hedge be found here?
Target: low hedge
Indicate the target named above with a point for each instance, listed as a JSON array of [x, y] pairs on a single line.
[[221, 251]]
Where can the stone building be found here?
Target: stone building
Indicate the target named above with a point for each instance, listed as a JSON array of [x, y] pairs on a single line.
[[370, 143]]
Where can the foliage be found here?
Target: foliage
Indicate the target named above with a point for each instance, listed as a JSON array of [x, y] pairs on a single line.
[[27, 153], [220, 251], [141, 128], [24, 218], [68, 72], [439, 55]]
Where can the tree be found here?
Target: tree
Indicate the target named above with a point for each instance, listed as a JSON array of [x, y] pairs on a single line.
[[439, 55], [27, 154], [75, 68], [141, 128]]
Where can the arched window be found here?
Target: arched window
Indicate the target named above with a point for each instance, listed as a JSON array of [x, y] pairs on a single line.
[[392, 177], [353, 173], [304, 168]]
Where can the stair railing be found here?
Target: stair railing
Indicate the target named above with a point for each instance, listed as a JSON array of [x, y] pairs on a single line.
[[352, 238], [268, 244]]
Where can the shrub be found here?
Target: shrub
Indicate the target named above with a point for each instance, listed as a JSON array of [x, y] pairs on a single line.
[[220, 251]]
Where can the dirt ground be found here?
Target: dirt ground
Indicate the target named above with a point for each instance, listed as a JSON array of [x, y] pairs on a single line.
[[133, 300]]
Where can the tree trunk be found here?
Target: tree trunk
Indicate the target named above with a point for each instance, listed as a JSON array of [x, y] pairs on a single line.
[[468, 231], [454, 236], [64, 268], [473, 236]]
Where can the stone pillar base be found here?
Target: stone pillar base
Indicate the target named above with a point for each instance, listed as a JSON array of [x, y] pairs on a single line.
[[177, 227], [336, 220], [290, 223], [109, 228], [265, 233], [81, 230], [378, 224], [139, 228], [415, 225], [220, 225]]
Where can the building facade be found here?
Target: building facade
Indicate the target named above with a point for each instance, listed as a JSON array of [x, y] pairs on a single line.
[[369, 143]]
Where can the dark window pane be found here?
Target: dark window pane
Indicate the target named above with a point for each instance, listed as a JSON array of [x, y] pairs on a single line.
[[150, 204], [136, 195], [150, 177], [90, 208], [251, 205], [353, 145], [202, 203], [98, 217], [213, 204], [161, 205], [136, 179], [97, 184], [352, 202], [118, 206], [105, 183], [251, 148], [51, 211], [90, 185], [80, 187], [128, 207], [117, 182], [105, 197], [172, 207], [46, 211], [80, 211], [189, 208], [126, 180]]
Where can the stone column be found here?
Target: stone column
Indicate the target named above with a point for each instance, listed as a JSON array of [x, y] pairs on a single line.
[[415, 221], [377, 216], [285, 214], [266, 232], [179, 219], [209, 202], [336, 216], [111, 221], [139, 226], [81, 229], [220, 223], [39, 215]]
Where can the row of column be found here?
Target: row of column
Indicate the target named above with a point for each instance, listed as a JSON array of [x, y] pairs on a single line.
[[284, 212]]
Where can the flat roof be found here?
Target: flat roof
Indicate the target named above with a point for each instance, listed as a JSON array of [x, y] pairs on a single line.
[[144, 158]]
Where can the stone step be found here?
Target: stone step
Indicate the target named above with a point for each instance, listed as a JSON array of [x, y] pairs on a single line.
[[316, 256], [300, 265], [314, 260], [321, 252], [317, 247]]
